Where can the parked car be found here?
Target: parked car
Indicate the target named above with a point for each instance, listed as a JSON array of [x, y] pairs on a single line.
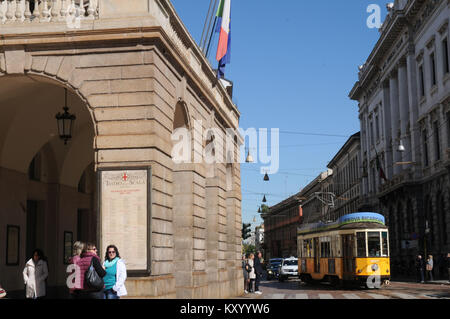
[[273, 268], [288, 268]]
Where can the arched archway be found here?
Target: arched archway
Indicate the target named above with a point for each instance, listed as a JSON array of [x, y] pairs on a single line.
[[181, 117], [39, 175]]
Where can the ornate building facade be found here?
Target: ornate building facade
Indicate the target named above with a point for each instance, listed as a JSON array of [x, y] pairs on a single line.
[[404, 110], [346, 178], [133, 75]]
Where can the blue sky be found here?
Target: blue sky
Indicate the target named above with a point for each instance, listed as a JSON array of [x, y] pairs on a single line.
[[293, 64]]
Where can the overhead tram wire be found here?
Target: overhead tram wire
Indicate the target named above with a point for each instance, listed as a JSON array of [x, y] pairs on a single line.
[[314, 134]]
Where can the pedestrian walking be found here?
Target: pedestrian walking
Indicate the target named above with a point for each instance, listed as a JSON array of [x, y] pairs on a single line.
[[251, 274], [89, 257], [430, 267], [35, 275], [420, 269], [76, 283], [258, 272], [245, 273], [116, 274]]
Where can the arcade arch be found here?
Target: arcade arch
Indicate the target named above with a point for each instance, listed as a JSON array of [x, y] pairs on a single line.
[[47, 189]]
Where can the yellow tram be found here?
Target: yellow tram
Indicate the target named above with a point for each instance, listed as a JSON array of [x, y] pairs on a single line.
[[353, 249]]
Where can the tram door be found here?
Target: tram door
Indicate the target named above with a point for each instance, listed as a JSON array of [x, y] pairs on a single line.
[[348, 258], [316, 255]]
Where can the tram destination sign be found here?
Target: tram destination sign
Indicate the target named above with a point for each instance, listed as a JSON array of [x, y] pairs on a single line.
[[361, 218], [346, 219]]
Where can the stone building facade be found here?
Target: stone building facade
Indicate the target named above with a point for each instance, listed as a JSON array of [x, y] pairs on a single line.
[[403, 94], [346, 178], [283, 219], [133, 75], [280, 228]]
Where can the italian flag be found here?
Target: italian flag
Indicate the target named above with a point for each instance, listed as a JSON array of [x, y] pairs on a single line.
[[224, 15]]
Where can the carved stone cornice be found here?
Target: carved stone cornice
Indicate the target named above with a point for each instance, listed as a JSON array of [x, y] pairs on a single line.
[[444, 26]]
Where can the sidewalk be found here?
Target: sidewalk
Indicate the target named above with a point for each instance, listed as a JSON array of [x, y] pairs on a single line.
[[409, 279]]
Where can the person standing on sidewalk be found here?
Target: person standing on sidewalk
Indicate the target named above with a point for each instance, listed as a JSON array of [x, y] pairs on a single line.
[[78, 247], [116, 274], [419, 269], [35, 275], [88, 256], [448, 266], [251, 274], [430, 267], [2, 292], [258, 272], [245, 273]]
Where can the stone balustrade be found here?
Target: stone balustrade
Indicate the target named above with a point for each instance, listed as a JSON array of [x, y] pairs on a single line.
[[26, 11], [22, 17]]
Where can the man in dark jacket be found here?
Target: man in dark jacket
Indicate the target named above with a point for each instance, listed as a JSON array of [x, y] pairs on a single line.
[[420, 268], [258, 271]]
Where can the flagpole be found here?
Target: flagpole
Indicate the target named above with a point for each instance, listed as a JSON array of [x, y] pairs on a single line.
[[205, 29], [210, 38]]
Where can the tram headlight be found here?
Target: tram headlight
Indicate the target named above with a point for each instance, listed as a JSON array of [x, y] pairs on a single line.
[[374, 267], [359, 271]]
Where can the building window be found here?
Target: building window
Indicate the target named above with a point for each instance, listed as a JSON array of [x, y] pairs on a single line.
[[445, 56], [371, 134], [377, 127], [437, 142], [433, 69], [421, 82], [425, 148], [448, 129]]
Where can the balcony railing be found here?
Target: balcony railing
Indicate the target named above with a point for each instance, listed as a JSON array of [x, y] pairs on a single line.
[[34, 11]]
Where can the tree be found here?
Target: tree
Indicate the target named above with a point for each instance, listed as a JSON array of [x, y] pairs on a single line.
[[246, 231], [264, 209], [248, 248]]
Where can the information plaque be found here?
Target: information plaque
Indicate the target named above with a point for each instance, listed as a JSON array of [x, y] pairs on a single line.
[[124, 216]]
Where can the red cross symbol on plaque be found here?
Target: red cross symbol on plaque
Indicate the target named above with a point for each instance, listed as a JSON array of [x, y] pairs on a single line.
[[125, 176]]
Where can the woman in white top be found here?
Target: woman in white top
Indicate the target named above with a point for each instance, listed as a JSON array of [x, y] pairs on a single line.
[[35, 274], [251, 274]]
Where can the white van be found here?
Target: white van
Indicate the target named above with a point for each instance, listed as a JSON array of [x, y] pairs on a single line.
[[288, 268]]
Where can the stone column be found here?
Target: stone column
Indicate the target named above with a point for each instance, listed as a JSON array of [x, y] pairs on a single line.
[[388, 129], [189, 230], [214, 203], [413, 108], [233, 204], [395, 124], [404, 110]]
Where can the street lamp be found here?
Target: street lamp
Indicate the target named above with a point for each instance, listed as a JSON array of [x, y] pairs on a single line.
[[401, 147], [65, 122], [249, 158]]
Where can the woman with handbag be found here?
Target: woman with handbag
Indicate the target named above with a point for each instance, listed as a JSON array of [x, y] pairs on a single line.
[[430, 267], [91, 274], [116, 274]]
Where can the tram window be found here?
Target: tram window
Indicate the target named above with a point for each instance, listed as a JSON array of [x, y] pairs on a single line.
[[361, 244], [307, 248], [325, 249], [373, 243], [384, 239]]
